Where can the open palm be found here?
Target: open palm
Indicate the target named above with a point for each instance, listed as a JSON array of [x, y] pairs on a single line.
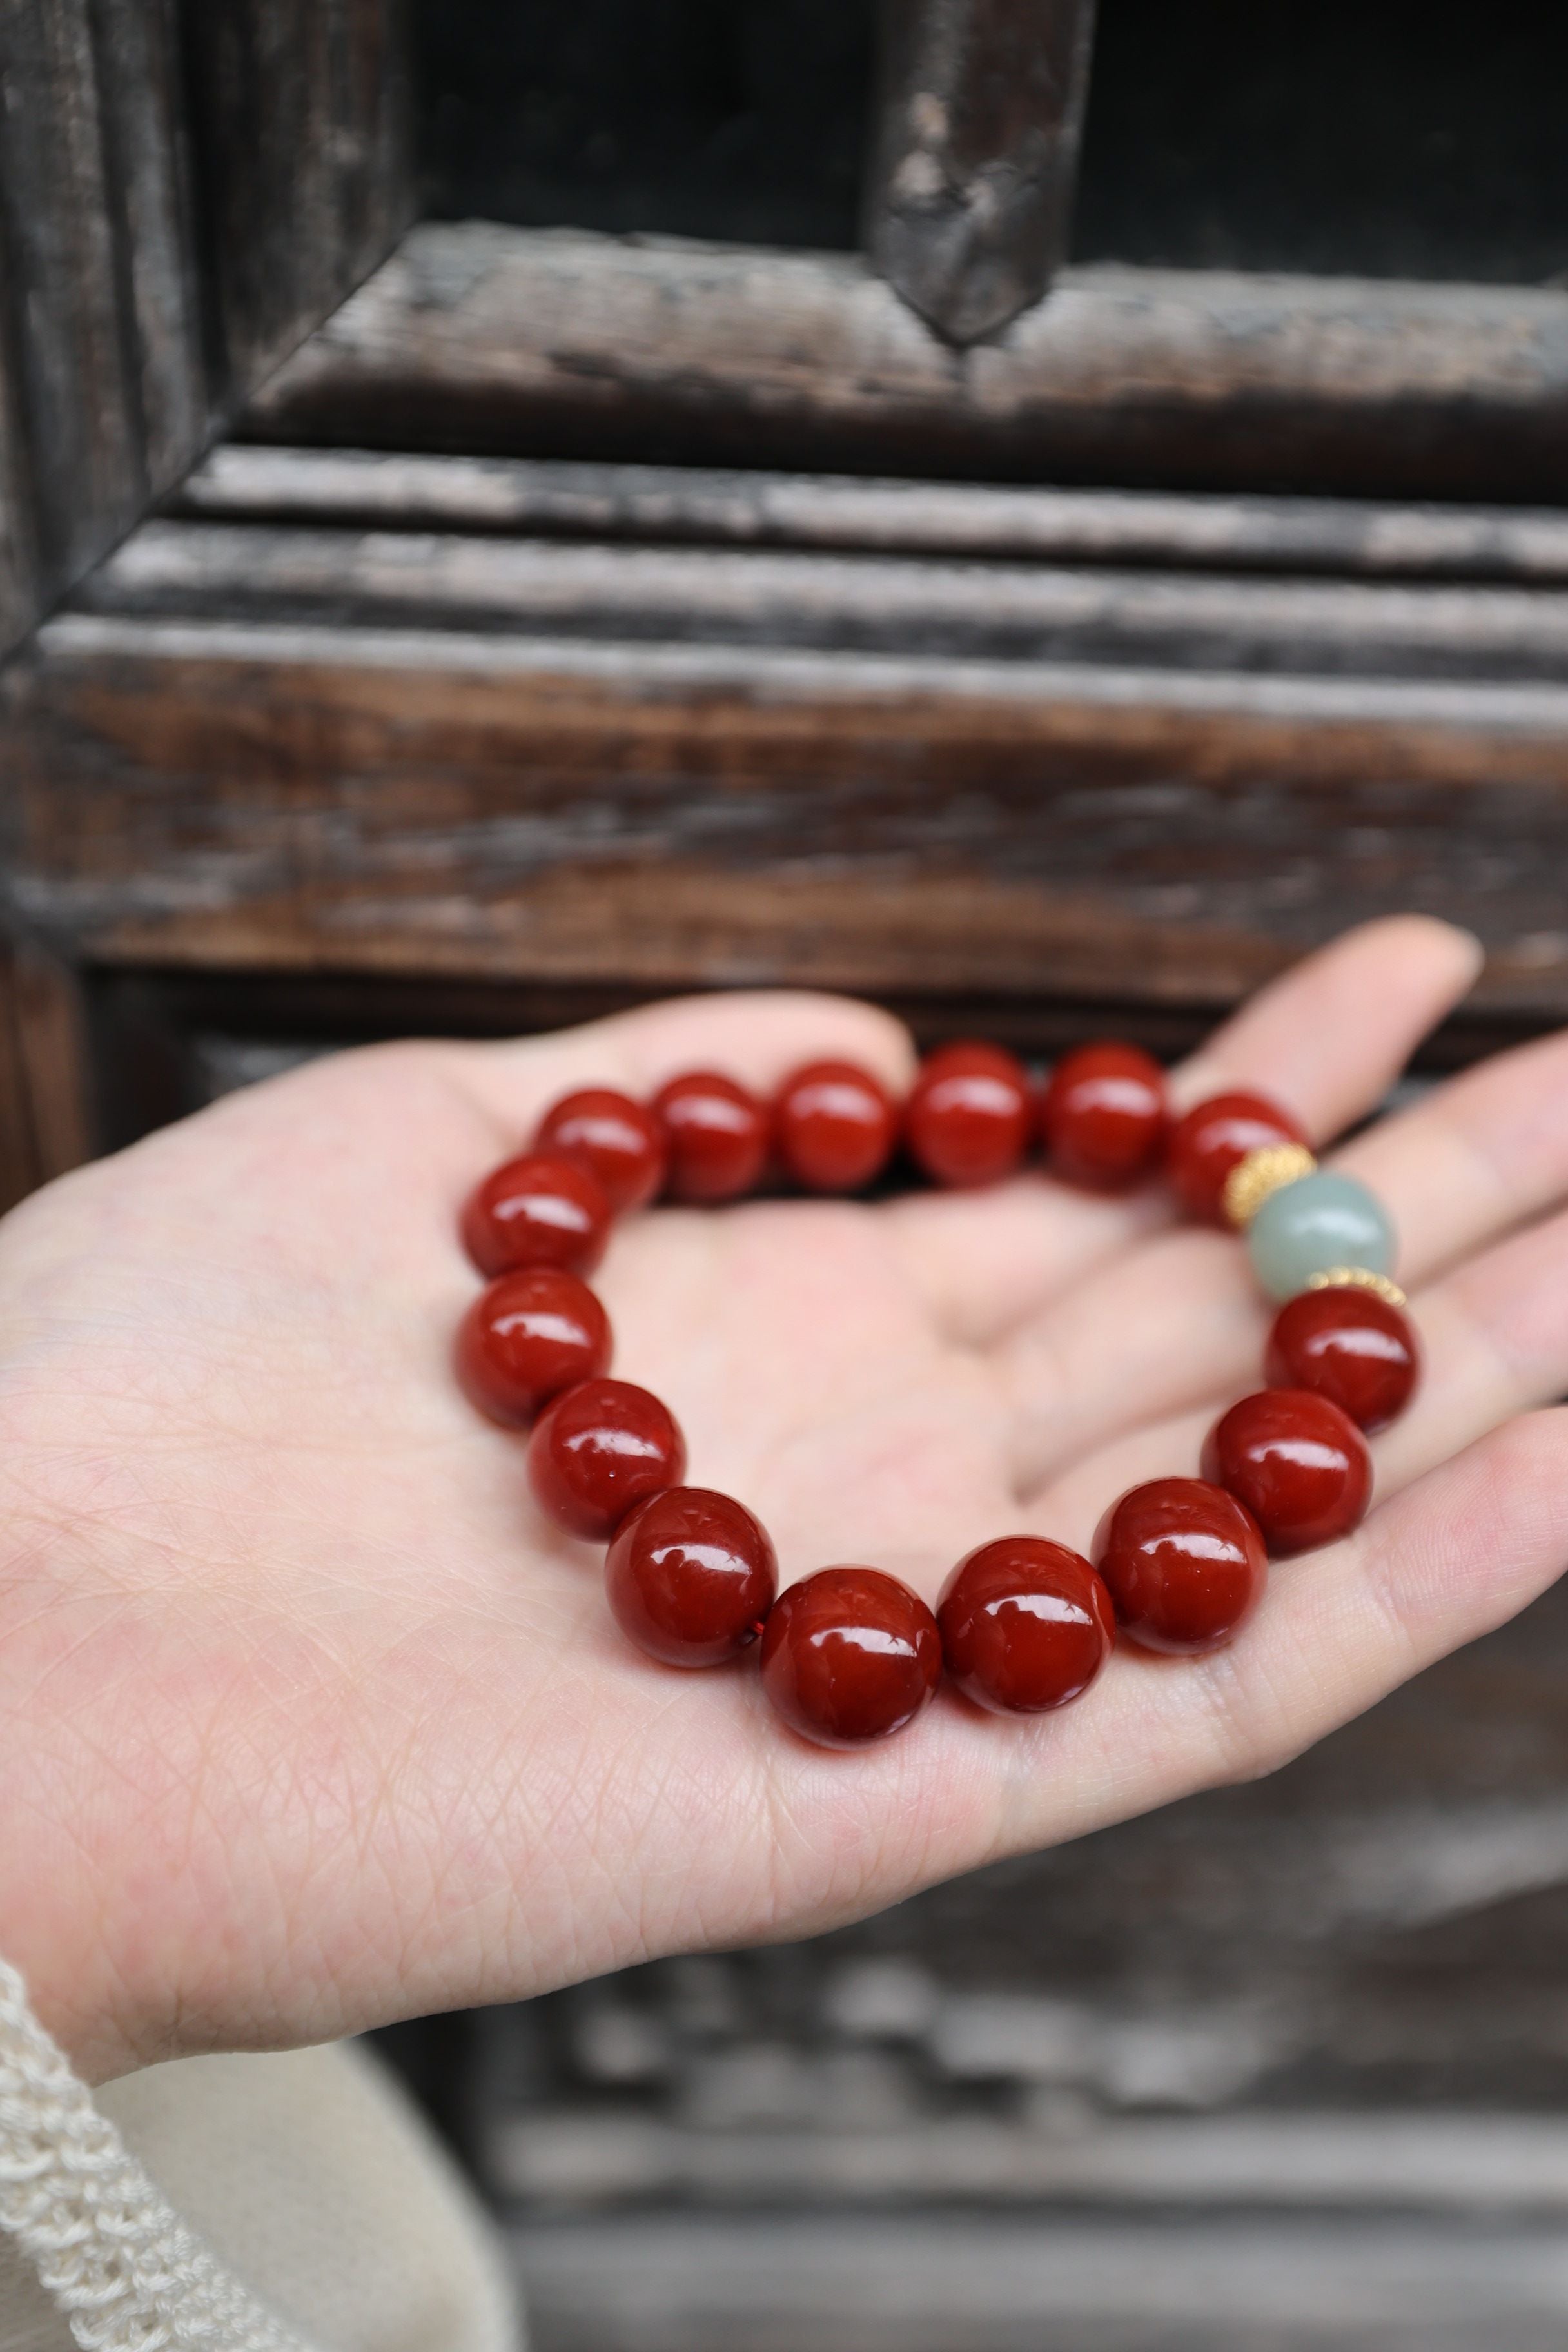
[[309, 1721]]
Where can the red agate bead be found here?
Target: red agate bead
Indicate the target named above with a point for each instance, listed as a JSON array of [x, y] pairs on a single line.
[[849, 1655], [968, 1115], [1025, 1626], [1185, 1564], [618, 1139], [717, 1135], [602, 1448], [1299, 1463], [1103, 1116], [1345, 1343], [691, 1577], [835, 1125], [1214, 1137], [530, 1333], [538, 1211]]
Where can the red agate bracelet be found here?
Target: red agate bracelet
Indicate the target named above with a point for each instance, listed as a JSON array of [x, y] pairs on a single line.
[[850, 1654]]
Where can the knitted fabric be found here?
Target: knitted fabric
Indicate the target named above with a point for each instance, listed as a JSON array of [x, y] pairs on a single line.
[[118, 2259]]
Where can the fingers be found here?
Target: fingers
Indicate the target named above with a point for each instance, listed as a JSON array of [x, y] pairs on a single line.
[[1478, 1156], [1326, 1039], [1455, 1555], [1472, 1162], [756, 1036], [1494, 1341]]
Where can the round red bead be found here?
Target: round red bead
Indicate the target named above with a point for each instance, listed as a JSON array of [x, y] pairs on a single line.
[[1214, 1137], [602, 1449], [850, 1655], [538, 1211], [717, 1133], [618, 1139], [968, 1116], [1025, 1626], [1349, 1344], [691, 1577], [533, 1333], [1299, 1463], [835, 1125], [1103, 1117], [1184, 1563]]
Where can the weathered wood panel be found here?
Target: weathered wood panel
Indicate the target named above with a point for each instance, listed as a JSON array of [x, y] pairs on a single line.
[[184, 191], [972, 183], [897, 605], [401, 491], [556, 343], [644, 815], [99, 328], [47, 1122], [299, 116]]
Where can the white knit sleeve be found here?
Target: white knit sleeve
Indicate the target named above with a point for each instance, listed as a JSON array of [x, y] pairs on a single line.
[[119, 2263]]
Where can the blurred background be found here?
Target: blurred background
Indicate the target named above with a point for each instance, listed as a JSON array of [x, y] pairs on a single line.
[[507, 509]]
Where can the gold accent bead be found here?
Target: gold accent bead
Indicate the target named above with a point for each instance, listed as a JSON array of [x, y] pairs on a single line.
[[1268, 1169], [1358, 1277]]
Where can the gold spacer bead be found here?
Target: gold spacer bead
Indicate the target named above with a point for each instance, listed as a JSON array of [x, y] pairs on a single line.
[[1268, 1169], [1358, 1277]]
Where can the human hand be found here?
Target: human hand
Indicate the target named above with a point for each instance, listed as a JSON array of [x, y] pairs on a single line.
[[308, 1721]]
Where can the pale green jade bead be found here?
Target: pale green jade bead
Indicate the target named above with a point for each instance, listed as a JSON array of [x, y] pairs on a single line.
[[1320, 1221]]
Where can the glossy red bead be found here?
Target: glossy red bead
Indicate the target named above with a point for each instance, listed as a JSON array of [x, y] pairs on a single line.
[[969, 1114], [850, 1655], [1185, 1564], [718, 1137], [1026, 1625], [834, 1126], [621, 1140], [538, 1211], [1103, 1117], [1214, 1137], [691, 1577], [602, 1449], [1299, 1463], [527, 1337], [1349, 1344]]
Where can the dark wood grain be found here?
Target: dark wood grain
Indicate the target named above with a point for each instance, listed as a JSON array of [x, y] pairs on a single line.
[[299, 116], [47, 1112], [556, 343], [184, 191], [970, 189], [404, 490], [82, 133], [19, 568]]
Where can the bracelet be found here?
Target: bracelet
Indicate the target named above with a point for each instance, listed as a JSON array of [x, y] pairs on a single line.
[[850, 1654]]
